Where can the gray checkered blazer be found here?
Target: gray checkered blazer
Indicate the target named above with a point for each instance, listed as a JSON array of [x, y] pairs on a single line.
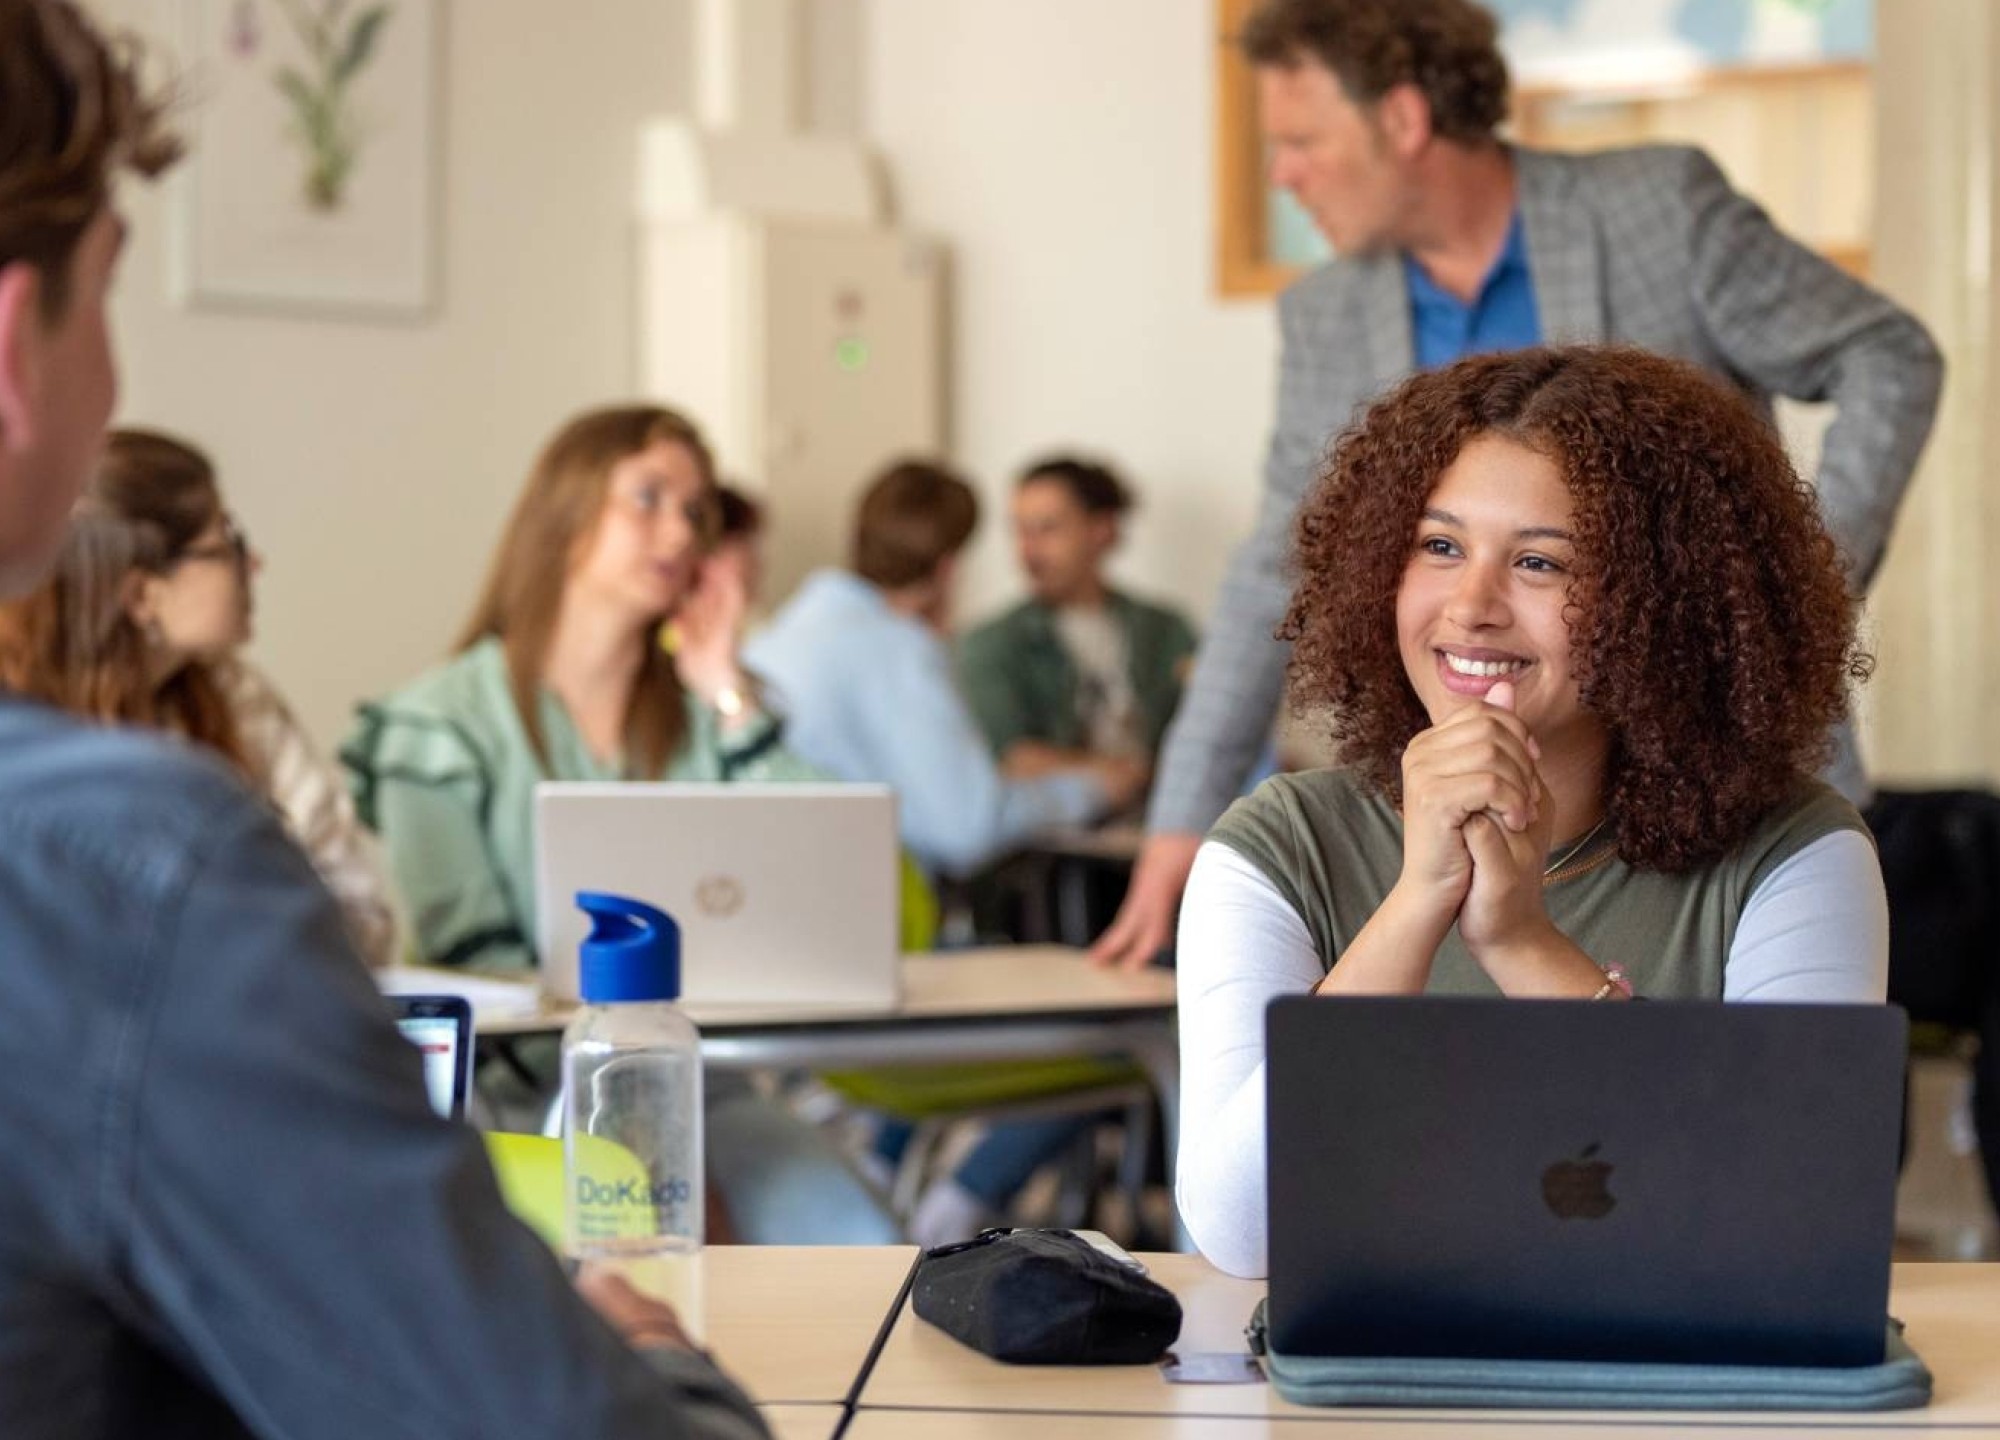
[[1648, 246]]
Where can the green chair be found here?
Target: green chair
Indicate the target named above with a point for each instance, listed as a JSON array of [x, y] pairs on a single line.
[[933, 1098], [917, 912]]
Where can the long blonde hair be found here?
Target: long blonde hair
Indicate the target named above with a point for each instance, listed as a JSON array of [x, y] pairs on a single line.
[[74, 643], [559, 509]]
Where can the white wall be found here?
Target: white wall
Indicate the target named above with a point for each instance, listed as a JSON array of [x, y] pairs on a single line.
[[1936, 606], [372, 463], [1063, 151]]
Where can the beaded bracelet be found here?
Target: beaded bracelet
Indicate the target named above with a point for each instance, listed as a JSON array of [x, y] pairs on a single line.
[[1614, 982]]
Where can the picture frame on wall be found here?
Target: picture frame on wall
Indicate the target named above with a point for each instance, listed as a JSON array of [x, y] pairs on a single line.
[[310, 183], [1250, 249]]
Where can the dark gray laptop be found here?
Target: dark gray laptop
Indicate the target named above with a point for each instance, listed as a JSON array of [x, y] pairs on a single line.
[[1690, 1182]]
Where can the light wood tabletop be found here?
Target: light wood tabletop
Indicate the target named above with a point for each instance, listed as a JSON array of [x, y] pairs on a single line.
[[1318, 1425], [979, 984], [959, 1007], [989, 983], [1952, 1313], [1014, 979], [803, 1422], [793, 1324]]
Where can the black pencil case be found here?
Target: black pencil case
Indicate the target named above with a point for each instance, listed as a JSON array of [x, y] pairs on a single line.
[[1045, 1297]]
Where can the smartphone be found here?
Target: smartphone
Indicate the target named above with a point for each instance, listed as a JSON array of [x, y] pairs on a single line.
[[440, 1026]]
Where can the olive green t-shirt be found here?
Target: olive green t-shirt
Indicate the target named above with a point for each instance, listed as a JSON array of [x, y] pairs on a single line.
[[1333, 847]]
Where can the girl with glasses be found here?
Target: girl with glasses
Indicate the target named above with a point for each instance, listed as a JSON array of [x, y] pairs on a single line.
[[142, 623]]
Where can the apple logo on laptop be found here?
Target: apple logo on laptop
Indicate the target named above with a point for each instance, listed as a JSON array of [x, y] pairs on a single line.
[[719, 895], [1579, 1189]]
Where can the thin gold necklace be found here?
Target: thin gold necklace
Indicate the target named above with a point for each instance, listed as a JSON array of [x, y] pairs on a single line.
[[1556, 863]]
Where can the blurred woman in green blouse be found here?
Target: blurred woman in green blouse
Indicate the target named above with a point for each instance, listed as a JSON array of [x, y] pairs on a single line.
[[561, 675]]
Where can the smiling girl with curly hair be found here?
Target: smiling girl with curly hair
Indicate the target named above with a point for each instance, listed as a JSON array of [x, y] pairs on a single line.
[[1578, 635]]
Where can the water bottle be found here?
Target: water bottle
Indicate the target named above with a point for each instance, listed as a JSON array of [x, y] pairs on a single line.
[[631, 1078]]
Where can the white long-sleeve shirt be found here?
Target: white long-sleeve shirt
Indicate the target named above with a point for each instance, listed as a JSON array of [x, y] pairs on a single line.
[[1816, 929]]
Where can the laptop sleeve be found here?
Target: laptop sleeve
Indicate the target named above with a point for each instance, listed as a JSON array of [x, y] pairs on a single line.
[[1900, 1382]]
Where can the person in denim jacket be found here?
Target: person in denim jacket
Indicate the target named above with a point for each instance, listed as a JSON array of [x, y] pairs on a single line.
[[226, 1204]]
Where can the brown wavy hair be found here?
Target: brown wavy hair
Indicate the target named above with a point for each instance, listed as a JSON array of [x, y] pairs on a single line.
[[72, 112], [557, 513], [1448, 49], [1711, 626], [74, 644]]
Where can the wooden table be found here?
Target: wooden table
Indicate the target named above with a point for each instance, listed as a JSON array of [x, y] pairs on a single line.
[[797, 1327], [803, 1422], [1953, 1314], [1008, 1002], [793, 1325], [1318, 1425], [951, 990]]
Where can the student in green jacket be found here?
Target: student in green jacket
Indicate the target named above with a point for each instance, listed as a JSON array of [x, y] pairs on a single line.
[[1079, 669]]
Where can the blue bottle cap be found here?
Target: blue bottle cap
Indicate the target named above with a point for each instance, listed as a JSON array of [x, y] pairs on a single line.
[[633, 952]]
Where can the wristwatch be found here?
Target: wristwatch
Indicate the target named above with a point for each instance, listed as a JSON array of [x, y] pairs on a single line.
[[731, 702]]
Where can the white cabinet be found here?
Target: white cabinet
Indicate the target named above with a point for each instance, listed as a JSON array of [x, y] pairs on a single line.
[[810, 349]]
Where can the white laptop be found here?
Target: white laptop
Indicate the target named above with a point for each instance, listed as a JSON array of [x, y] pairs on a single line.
[[785, 894]]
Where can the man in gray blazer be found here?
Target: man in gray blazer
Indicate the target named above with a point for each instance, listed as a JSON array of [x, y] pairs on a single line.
[[1381, 118]]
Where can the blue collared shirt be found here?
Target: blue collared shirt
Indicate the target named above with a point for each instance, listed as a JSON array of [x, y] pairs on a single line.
[[869, 694], [1501, 316]]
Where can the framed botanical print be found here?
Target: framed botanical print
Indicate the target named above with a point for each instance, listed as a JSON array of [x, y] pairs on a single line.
[[311, 179]]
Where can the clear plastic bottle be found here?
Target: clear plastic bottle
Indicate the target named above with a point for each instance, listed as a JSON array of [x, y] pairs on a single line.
[[631, 1077]]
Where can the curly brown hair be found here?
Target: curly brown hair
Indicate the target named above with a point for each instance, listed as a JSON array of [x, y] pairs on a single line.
[[1448, 49], [1711, 626]]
